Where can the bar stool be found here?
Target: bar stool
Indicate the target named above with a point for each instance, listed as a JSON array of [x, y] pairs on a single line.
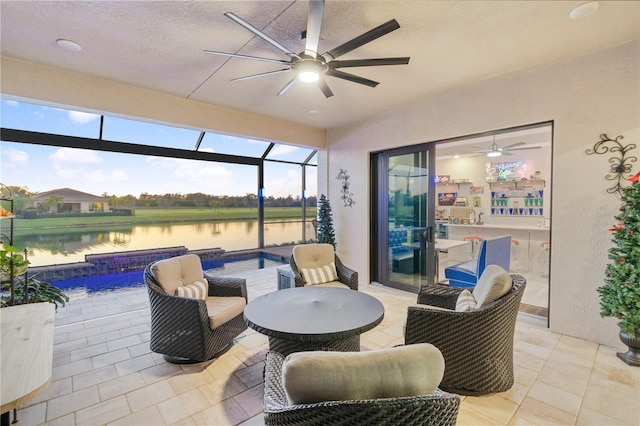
[[475, 240]]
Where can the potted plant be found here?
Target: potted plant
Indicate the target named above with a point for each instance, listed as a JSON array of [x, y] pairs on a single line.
[[620, 295], [326, 234], [18, 287]]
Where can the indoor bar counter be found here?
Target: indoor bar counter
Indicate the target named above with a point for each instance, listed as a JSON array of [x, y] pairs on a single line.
[[528, 254]]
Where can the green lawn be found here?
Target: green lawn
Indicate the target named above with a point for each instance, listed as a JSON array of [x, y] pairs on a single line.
[[152, 216]]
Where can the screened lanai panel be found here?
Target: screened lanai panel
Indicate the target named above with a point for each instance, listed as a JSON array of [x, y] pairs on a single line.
[[131, 202], [43, 119], [139, 132], [289, 153], [314, 160], [224, 144]]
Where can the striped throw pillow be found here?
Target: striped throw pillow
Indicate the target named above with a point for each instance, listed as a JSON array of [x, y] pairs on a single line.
[[466, 302], [197, 290], [323, 274]]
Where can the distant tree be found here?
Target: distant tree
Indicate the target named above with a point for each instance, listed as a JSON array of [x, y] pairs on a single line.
[[51, 203], [326, 234], [20, 196]]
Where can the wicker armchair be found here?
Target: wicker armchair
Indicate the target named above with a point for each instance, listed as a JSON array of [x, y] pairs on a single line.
[[181, 327], [477, 346], [440, 408], [346, 276]]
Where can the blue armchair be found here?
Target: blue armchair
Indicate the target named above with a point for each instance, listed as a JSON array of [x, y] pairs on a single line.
[[493, 251]]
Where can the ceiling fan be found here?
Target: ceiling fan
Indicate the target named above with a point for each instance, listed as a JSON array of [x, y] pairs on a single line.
[[495, 151], [309, 66]]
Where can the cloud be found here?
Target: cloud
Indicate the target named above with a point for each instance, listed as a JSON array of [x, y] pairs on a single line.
[[67, 172], [280, 149], [79, 117], [11, 103], [75, 156], [14, 158]]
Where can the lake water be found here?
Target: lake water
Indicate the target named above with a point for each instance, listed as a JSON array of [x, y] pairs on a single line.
[[71, 245]]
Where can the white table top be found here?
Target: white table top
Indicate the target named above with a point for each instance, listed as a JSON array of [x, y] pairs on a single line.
[[444, 245]]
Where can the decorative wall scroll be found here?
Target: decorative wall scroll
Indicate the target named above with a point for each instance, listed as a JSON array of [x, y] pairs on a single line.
[[619, 166], [346, 195]]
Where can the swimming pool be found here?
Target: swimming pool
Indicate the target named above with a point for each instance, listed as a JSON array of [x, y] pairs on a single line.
[[82, 287]]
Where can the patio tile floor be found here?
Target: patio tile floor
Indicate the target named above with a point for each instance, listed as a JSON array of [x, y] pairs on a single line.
[[104, 372]]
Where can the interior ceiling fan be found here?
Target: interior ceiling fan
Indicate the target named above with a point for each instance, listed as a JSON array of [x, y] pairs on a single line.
[[309, 66], [496, 151]]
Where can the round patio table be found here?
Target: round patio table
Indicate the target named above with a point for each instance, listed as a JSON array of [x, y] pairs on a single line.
[[314, 318]]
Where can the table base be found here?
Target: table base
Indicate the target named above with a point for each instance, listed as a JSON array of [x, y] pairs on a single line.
[[285, 347]]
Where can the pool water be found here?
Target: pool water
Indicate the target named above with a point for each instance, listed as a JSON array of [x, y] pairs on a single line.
[[77, 288]]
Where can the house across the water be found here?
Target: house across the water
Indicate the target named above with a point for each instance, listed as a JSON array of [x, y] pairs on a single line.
[[67, 200]]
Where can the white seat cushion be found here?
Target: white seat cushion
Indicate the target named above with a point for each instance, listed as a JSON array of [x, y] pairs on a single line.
[[222, 309], [336, 284], [177, 271], [313, 255], [494, 283], [317, 376]]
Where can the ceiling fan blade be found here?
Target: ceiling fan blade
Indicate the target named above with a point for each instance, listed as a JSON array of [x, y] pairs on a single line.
[[236, 55], [368, 62], [351, 77], [264, 74], [513, 145], [314, 22], [505, 153], [325, 88], [481, 149], [287, 86], [524, 149], [362, 39], [260, 34]]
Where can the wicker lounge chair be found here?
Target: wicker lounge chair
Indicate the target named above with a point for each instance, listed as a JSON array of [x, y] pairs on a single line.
[[477, 345], [439, 408], [182, 328], [316, 255]]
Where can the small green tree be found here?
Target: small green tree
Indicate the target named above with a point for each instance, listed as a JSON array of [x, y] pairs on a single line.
[[620, 296], [326, 234]]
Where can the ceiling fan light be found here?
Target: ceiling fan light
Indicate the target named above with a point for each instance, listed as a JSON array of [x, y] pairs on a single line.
[[584, 10], [308, 76], [494, 154]]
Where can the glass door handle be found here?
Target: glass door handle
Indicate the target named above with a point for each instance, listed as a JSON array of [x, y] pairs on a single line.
[[429, 234]]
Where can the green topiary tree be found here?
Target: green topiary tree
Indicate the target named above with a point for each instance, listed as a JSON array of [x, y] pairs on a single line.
[[620, 296], [326, 233]]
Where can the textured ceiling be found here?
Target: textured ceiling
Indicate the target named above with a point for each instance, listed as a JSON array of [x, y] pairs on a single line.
[[452, 45]]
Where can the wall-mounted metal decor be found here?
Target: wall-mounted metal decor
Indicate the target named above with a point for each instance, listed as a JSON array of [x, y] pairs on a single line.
[[346, 195], [619, 165]]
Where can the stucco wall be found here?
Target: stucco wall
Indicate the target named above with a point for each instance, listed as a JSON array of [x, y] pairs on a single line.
[[585, 97]]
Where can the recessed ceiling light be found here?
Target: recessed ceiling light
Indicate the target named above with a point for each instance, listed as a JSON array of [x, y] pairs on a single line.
[[585, 9], [69, 45], [314, 112]]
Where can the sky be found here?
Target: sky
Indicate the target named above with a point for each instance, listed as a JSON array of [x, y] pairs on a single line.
[[43, 168]]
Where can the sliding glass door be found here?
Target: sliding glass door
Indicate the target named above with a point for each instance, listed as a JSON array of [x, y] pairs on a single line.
[[403, 217]]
